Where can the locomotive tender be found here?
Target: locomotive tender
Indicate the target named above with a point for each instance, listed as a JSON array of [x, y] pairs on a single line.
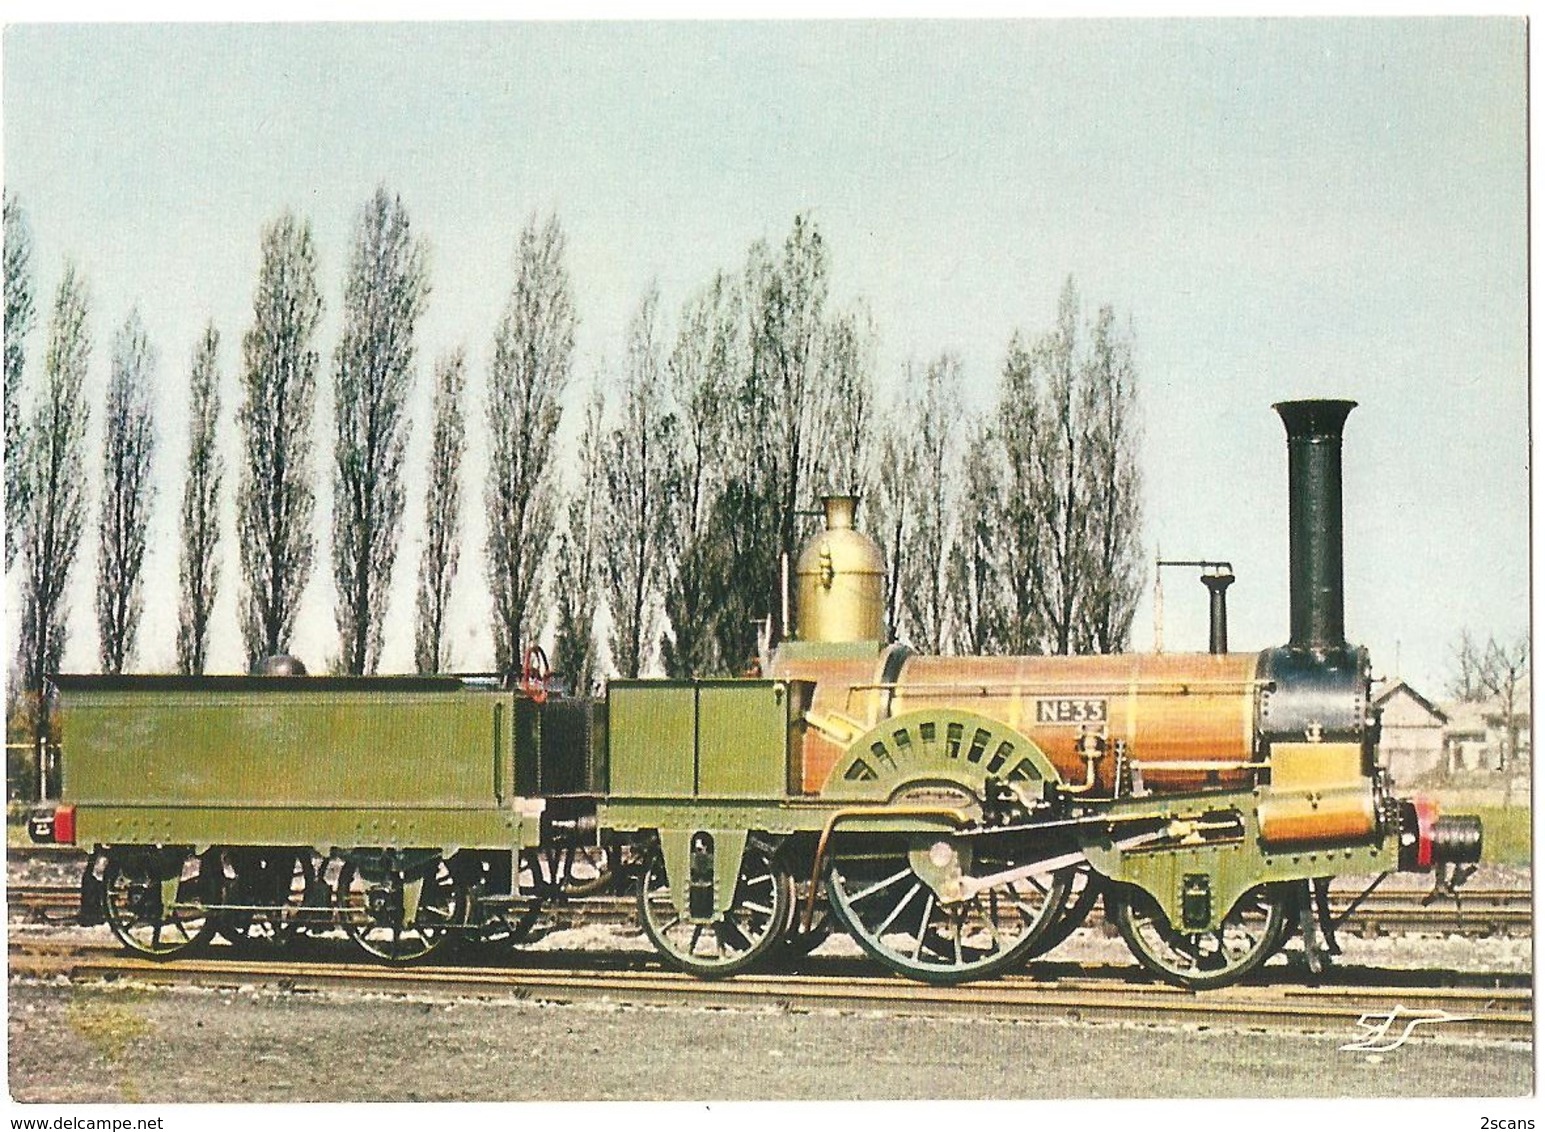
[[955, 815]]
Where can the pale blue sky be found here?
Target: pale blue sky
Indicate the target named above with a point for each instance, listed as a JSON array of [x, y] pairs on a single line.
[[1281, 209]]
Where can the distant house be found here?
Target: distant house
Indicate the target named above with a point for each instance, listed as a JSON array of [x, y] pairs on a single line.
[[1476, 736], [1411, 740]]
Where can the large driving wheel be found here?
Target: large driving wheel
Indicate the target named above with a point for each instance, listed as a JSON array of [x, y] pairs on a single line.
[[888, 899], [396, 917], [1250, 934], [154, 904], [756, 920]]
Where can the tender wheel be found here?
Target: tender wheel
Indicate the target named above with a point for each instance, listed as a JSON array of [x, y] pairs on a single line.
[[1084, 888], [755, 923], [136, 891], [897, 916], [496, 922], [1251, 933], [282, 883], [375, 911]]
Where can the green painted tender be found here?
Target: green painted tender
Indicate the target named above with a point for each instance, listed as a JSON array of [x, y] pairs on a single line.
[[329, 763]]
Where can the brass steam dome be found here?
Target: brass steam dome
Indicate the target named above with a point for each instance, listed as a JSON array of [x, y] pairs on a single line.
[[840, 581]]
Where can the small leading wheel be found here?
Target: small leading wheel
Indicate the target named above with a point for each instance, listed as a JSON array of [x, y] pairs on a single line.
[[889, 899], [153, 903], [398, 918], [1250, 934], [272, 891], [756, 920]]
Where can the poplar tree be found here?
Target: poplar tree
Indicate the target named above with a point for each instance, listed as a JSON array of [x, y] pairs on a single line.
[[636, 471], [199, 568], [706, 363], [386, 292], [276, 497], [1072, 531], [442, 515], [931, 435], [979, 597], [1112, 482], [18, 323], [1058, 455], [578, 572], [1021, 557], [533, 354], [127, 494], [55, 463], [890, 518]]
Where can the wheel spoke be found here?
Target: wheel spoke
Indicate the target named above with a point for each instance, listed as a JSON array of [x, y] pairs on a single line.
[[922, 932], [896, 911], [737, 937], [887, 882]]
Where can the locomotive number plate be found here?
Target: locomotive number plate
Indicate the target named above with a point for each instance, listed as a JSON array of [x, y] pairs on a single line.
[[1075, 710]]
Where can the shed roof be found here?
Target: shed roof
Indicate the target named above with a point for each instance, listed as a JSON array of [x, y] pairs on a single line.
[[1401, 687]]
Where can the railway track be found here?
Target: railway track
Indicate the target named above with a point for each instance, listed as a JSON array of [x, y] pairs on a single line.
[[1478, 913], [1478, 1007]]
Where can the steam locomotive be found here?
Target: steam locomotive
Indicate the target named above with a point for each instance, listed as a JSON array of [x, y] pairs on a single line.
[[956, 815]]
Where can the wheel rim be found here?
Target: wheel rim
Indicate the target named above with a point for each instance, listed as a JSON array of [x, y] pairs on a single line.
[[1254, 930], [756, 920], [135, 911], [898, 918], [372, 913]]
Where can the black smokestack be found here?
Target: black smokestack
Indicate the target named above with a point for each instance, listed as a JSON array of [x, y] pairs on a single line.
[[1217, 621], [1314, 520]]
